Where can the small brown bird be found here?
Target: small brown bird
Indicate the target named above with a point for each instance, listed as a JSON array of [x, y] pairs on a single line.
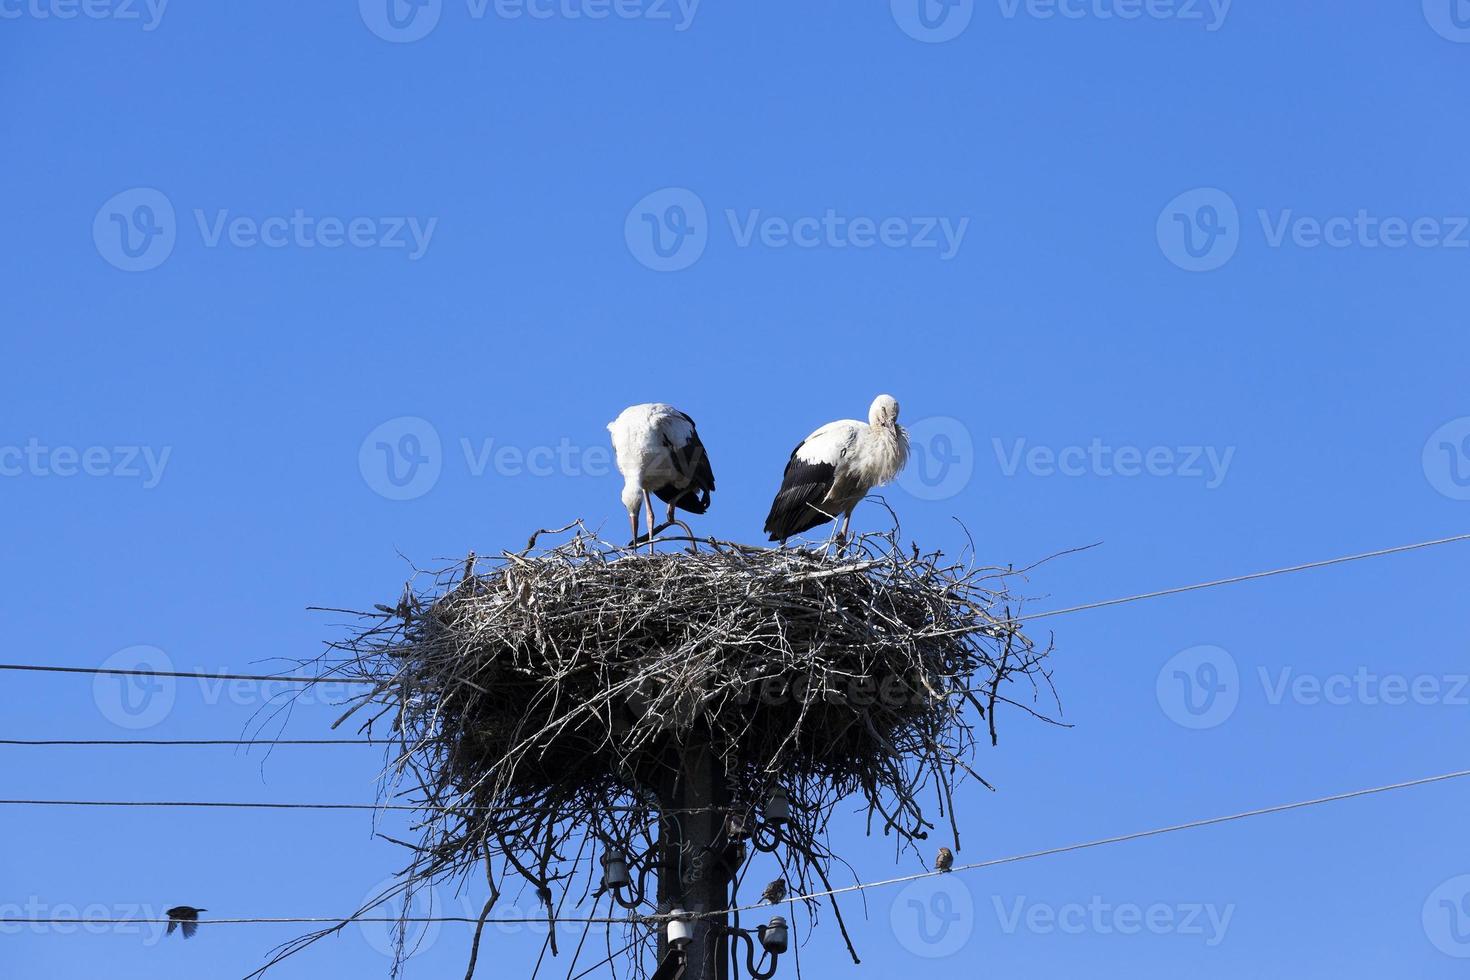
[[944, 860], [775, 892], [186, 916]]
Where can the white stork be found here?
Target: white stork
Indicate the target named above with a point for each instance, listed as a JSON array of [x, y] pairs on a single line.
[[835, 467], [659, 452]]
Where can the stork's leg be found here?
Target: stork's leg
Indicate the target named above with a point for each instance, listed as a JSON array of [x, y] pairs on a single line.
[[648, 502], [842, 534]]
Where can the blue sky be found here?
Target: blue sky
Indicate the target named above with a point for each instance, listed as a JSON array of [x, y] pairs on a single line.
[[1187, 279]]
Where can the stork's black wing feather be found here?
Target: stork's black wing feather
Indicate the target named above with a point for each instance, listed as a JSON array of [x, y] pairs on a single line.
[[797, 506], [693, 464]]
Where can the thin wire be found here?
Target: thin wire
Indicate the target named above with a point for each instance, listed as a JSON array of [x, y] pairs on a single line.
[[292, 679], [195, 741], [1241, 578], [234, 805], [231, 804], [1137, 835], [308, 919]]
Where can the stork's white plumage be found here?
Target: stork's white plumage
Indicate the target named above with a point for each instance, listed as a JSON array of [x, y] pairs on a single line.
[[659, 452], [835, 467]]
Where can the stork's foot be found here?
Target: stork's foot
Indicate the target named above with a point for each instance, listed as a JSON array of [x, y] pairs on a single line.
[[648, 538]]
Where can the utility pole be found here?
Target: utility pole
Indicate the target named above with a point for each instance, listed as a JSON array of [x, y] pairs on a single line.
[[695, 873]]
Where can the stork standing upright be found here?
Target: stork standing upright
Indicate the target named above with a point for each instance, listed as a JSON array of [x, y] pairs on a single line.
[[835, 467], [659, 452]]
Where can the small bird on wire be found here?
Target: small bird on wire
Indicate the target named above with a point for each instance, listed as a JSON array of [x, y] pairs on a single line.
[[944, 860], [775, 892], [186, 916]]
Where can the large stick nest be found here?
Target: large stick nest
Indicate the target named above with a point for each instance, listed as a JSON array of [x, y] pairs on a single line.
[[550, 696]]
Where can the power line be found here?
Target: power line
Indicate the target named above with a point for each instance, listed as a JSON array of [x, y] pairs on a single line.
[[532, 920], [1242, 578], [195, 741], [864, 886], [249, 805], [1137, 835], [233, 805], [287, 678]]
